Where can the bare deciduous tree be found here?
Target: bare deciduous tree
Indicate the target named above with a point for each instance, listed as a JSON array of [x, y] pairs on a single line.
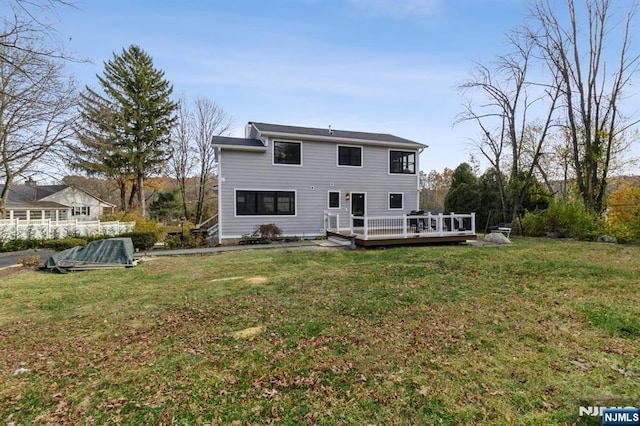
[[182, 158], [36, 111], [593, 70], [210, 121], [192, 151], [509, 137]]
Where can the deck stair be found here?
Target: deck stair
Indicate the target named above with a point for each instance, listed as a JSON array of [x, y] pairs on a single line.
[[209, 229]]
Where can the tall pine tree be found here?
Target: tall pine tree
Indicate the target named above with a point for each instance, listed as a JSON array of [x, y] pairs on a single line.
[[126, 130]]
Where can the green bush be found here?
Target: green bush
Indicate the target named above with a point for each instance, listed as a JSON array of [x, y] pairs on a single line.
[[567, 219], [173, 241], [141, 240], [624, 233], [533, 224], [64, 243], [19, 245]]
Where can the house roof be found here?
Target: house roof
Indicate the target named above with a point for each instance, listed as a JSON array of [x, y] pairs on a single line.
[[328, 134], [21, 194], [32, 196], [224, 140]]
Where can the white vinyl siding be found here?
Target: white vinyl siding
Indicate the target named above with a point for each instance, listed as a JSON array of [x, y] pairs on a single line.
[[312, 183]]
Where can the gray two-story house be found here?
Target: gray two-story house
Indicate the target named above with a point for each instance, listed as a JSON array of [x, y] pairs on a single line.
[[293, 176]]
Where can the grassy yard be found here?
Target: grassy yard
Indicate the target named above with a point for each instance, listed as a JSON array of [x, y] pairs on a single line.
[[421, 335]]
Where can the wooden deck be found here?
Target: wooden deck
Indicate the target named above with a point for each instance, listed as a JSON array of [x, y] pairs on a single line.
[[413, 239], [371, 231]]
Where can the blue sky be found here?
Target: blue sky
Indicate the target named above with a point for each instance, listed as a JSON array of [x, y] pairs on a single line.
[[388, 66]]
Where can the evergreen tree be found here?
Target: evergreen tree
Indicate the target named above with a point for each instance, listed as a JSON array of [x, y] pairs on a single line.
[[128, 128], [464, 195]]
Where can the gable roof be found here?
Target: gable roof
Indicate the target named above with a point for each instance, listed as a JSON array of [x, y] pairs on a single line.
[[33, 196], [268, 129], [20, 194]]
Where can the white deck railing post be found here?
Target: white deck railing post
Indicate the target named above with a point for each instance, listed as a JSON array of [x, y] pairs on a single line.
[[365, 221], [440, 227], [351, 224], [473, 223], [404, 226]]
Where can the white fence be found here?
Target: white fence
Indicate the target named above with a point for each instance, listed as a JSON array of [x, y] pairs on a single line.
[[45, 229], [425, 225]]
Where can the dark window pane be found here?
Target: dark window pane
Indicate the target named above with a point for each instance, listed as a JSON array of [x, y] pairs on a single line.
[[395, 201], [402, 162], [265, 203], [349, 156], [286, 152], [334, 200]]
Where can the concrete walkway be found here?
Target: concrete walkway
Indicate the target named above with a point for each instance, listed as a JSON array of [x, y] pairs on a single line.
[[207, 250]]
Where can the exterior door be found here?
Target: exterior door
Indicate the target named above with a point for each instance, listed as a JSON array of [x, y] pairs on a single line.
[[358, 207]]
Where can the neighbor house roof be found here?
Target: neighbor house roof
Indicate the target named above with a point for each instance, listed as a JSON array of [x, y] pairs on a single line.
[[32, 196], [29, 197], [328, 133]]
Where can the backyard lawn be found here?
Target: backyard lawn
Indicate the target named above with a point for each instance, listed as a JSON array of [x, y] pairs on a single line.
[[519, 334]]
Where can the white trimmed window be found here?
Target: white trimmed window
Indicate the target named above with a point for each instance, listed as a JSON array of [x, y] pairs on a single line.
[[265, 203], [334, 199], [396, 200], [287, 153], [349, 156], [402, 162]]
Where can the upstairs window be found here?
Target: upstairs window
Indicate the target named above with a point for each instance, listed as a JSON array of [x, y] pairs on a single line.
[[402, 162], [350, 156], [287, 153]]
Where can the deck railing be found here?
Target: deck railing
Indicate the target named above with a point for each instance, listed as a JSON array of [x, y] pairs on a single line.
[[404, 226], [44, 229]]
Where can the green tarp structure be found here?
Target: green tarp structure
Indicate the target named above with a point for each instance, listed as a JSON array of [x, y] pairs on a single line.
[[101, 254]]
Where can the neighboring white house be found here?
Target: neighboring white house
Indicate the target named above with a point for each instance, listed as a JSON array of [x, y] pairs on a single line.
[[56, 202], [293, 176]]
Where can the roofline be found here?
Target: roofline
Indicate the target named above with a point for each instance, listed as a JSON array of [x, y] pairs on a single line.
[[240, 147], [333, 138]]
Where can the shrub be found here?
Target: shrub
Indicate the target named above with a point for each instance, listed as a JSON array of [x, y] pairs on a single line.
[[141, 240], [532, 224], [142, 224], [19, 245], [624, 233], [268, 231], [173, 241], [567, 219], [33, 260], [64, 243]]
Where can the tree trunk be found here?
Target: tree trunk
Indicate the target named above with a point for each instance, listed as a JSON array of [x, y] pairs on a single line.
[[141, 201], [3, 197]]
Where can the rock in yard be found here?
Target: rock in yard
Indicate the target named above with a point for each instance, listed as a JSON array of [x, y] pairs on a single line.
[[607, 239], [496, 238]]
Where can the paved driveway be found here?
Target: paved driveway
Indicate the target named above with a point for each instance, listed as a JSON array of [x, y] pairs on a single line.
[[10, 259]]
